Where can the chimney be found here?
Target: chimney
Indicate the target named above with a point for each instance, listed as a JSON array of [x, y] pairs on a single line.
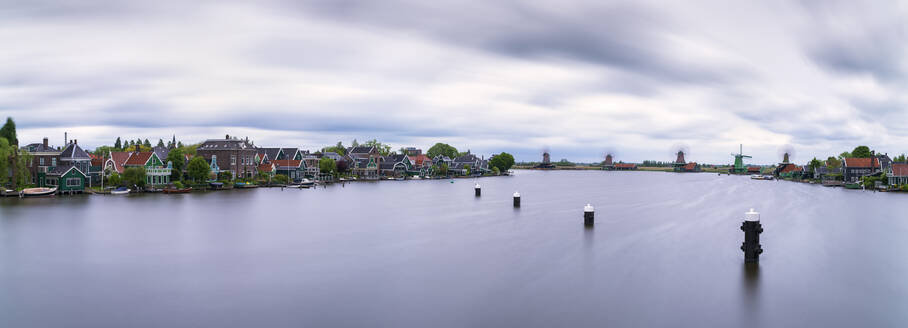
[[76, 141], [227, 136], [45, 142]]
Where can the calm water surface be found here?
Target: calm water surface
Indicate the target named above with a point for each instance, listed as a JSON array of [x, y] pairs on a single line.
[[664, 252]]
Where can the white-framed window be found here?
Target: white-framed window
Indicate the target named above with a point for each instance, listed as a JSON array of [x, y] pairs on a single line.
[[73, 182], [41, 161], [232, 160], [53, 161]]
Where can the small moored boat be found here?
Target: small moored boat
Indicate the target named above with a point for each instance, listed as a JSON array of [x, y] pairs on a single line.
[[216, 185], [306, 182], [9, 193], [120, 191], [38, 192], [175, 190]]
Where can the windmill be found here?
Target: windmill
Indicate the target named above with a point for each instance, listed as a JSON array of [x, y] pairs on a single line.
[[609, 162], [739, 161], [546, 160], [679, 150]]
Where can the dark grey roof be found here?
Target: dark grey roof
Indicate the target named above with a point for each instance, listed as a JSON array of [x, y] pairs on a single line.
[[468, 158], [360, 150], [162, 153], [225, 144], [61, 169], [39, 148], [386, 166], [74, 153], [270, 152]]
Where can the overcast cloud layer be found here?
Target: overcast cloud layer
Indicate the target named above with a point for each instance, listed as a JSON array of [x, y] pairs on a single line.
[[579, 78]]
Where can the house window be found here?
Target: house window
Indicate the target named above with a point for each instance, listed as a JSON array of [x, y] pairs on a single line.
[[232, 160], [53, 162], [42, 161], [73, 182]]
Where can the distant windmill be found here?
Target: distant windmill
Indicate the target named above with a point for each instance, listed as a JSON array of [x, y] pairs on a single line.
[[546, 160], [786, 153], [739, 161], [679, 151], [609, 162]]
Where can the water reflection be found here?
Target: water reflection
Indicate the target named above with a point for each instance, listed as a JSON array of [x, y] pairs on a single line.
[[750, 297]]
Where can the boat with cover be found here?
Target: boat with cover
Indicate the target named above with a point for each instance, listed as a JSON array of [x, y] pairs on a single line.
[[120, 191], [8, 193], [38, 192], [306, 182]]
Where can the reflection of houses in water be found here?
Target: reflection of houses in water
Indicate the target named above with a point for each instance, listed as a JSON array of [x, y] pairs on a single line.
[[546, 162]]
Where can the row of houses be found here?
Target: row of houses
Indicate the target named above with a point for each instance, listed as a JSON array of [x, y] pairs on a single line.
[[851, 169]]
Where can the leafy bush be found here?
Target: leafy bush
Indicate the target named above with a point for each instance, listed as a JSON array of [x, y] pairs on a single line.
[[178, 184]]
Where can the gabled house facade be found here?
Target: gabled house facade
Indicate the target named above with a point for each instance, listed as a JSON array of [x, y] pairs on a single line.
[[233, 155], [855, 168], [294, 169], [43, 160], [897, 174], [365, 168], [67, 178], [156, 173]]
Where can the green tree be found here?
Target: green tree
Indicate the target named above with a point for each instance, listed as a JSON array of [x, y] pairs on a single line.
[[8, 131], [338, 148], [176, 157], [160, 143], [134, 176], [495, 170], [355, 143], [467, 168], [442, 149], [844, 155], [198, 169], [383, 149], [280, 179], [503, 162], [327, 165], [115, 180], [146, 143], [900, 159], [814, 164], [14, 165], [861, 152], [833, 162], [225, 176], [443, 169], [118, 144]]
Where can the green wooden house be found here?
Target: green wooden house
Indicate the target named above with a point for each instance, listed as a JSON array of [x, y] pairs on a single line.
[[67, 179]]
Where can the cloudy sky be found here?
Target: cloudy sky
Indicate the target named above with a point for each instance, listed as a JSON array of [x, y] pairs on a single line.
[[581, 78]]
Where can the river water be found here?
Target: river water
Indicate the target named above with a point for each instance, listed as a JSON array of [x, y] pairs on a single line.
[[664, 252]]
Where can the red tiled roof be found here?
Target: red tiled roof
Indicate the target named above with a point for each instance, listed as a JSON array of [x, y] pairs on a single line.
[[119, 158], [899, 170], [625, 165], [139, 158], [419, 160], [690, 166], [287, 162], [753, 169], [861, 162], [790, 168], [265, 168]]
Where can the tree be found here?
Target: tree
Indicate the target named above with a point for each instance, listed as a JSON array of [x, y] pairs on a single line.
[[844, 155], [134, 176], [338, 148], [495, 170], [281, 179], [442, 149], [8, 131], [146, 143], [118, 144], [900, 159], [342, 166], [225, 176], [383, 149], [814, 164], [467, 168], [176, 157], [503, 162], [861, 152], [115, 180], [180, 145], [443, 169], [327, 165], [160, 143], [198, 169], [833, 162], [355, 143], [14, 166]]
